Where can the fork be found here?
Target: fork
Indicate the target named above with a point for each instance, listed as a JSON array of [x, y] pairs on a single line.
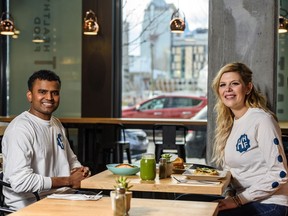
[[93, 196], [195, 181]]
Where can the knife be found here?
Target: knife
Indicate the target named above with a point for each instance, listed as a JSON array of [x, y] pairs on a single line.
[[194, 166]]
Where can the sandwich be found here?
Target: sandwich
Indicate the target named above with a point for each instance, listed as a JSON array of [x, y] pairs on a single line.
[[205, 171], [123, 165], [178, 163]]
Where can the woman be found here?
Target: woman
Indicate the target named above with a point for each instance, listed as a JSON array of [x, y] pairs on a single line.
[[248, 144]]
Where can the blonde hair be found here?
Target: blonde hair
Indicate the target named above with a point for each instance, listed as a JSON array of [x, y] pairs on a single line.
[[225, 117]]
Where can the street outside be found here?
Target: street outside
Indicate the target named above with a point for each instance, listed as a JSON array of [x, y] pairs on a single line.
[[151, 149]]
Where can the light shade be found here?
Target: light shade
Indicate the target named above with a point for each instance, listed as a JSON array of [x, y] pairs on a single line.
[[177, 23], [283, 25], [6, 24], [16, 33], [90, 26]]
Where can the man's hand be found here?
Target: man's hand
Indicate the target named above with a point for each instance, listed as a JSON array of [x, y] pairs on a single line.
[[76, 176], [86, 171], [227, 203]]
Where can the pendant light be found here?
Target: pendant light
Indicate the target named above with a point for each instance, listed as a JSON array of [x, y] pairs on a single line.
[[90, 26], [283, 21], [177, 23], [283, 24], [7, 24]]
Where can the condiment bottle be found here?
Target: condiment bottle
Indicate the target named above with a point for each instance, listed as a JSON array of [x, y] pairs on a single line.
[[119, 202], [162, 168]]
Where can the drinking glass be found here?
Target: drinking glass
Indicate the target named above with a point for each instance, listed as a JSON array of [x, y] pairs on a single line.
[[148, 167]]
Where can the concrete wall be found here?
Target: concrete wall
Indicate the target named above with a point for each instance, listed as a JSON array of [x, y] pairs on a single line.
[[243, 31]]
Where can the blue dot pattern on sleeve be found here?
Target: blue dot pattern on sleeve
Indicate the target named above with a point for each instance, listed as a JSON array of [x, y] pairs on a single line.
[[275, 184], [276, 141], [282, 174], [280, 158]]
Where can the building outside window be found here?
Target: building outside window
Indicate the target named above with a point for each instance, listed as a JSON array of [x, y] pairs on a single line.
[[172, 67], [157, 61]]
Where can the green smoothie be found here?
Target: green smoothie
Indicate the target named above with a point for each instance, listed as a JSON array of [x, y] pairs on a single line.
[[148, 167]]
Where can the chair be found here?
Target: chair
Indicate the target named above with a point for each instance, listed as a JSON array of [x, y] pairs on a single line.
[[123, 145], [285, 144], [4, 210], [2, 129], [168, 140], [113, 143]]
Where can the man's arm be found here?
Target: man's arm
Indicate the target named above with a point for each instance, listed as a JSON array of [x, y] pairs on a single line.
[[77, 175]]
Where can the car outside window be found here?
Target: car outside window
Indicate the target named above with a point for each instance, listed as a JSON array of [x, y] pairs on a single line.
[[157, 103], [166, 106], [182, 102]]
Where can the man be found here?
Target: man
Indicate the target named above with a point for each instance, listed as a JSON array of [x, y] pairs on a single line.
[[36, 153]]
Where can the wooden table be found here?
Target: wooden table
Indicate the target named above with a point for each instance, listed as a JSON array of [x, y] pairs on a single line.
[[106, 180], [284, 127], [129, 122], [147, 207], [2, 129]]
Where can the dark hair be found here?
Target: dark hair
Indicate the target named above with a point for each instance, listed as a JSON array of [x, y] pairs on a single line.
[[43, 75]]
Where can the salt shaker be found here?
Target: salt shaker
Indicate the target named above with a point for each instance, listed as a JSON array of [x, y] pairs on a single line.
[[119, 202], [162, 168]]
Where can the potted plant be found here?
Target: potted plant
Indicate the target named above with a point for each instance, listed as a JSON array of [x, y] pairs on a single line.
[[169, 163], [123, 182]]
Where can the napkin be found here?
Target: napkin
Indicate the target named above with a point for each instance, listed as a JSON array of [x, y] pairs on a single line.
[[75, 196]]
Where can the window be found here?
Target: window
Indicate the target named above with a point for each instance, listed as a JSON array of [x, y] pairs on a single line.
[[60, 50], [282, 76], [158, 62]]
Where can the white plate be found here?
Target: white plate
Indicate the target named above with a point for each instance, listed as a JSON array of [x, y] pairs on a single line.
[[190, 173], [180, 171]]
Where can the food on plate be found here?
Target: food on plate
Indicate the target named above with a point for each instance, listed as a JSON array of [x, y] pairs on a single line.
[[205, 171], [178, 163], [123, 165]]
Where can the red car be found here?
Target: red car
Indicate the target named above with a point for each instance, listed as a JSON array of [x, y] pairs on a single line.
[[167, 106]]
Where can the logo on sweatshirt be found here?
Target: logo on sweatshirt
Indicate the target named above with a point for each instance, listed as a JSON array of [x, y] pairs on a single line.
[[59, 141], [243, 143]]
